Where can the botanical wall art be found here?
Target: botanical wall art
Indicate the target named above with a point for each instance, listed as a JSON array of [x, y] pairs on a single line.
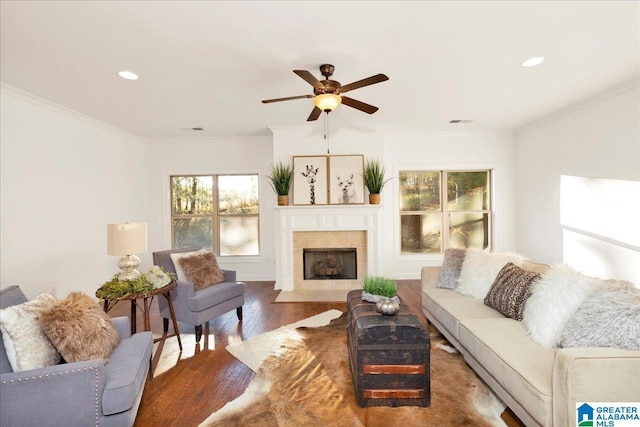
[[310, 180], [346, 184]]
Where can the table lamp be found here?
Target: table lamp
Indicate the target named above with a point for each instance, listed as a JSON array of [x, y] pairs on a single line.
[[127, 239]]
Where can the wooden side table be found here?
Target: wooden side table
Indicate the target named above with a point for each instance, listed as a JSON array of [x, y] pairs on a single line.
[[147, 299]]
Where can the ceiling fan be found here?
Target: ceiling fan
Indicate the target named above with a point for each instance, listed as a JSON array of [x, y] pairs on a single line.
[[327, 94]]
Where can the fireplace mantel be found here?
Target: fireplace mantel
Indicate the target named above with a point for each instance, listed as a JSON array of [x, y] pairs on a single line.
[[290, 219]]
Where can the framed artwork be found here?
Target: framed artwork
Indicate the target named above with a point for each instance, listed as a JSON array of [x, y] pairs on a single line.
[[310, 180], [346, 183]]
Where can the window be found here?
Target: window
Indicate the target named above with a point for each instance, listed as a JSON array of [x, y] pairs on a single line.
[[219, 212], [444, 209]]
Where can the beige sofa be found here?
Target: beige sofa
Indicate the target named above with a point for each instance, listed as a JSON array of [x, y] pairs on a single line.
[[540, 385]]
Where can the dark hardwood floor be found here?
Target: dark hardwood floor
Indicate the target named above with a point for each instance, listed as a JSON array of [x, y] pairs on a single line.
[[188, 386]]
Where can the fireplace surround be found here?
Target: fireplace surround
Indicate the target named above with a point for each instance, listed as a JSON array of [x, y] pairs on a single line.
[[330, 226]]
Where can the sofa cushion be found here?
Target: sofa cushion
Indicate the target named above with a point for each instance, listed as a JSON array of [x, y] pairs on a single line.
[[480, 269], [202, 270], [609, 317], [450, 307], [126, 373], [522, 367], [79, 328], [510, 290], [554, 298], [208, 297], [450, 269], [26, 345]]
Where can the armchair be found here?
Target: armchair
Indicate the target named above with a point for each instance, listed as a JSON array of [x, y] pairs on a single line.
[[198, 307], [76, 394]]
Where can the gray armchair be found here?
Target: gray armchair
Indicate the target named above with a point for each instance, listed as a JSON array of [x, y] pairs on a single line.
[[198, 307], [80, 394]]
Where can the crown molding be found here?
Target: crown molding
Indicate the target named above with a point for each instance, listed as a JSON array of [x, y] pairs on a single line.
[[209, 139], [6, 89], [595, 99]]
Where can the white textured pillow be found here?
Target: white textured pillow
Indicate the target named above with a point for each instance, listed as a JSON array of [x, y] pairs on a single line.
[[27, 346], [177, 256], [554, 299], [480, 268]]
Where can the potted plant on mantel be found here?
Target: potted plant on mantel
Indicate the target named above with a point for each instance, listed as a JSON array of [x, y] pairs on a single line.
[[374, 180], [280, 181]]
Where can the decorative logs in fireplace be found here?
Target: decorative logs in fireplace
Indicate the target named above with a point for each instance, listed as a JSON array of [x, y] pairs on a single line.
[[330, 263]]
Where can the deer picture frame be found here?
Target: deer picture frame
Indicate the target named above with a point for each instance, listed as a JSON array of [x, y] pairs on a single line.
[[310, 180]]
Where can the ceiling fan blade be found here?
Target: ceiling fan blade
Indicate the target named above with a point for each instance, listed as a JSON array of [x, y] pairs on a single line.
[[309, 78], [315, 113], [378, 78], [289, 98], [359, 105]]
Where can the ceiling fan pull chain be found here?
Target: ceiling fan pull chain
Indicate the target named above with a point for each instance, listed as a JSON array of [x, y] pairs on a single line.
[[326, 130]]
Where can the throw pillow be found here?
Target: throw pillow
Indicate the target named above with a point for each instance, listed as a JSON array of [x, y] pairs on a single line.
[[176, 262], [554, 298], [480, 269], [202, 270], [610, 317], [450, 269], [27, 347], [79, 329], [510, 290]]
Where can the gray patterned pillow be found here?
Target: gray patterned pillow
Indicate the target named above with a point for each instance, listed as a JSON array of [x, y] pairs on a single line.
[[609, 317], [510, 290], [450, 269]]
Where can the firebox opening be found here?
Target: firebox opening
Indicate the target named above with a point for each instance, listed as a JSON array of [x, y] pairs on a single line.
[[330, 264]]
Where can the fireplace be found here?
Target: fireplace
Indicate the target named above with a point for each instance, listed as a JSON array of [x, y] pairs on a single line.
[[321, 227], [330, 263]]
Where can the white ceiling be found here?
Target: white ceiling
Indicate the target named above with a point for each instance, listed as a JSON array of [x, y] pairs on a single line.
[[208, 64]]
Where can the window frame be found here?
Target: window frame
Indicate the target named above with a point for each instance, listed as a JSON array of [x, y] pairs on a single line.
[[444, 211], [215, 216]]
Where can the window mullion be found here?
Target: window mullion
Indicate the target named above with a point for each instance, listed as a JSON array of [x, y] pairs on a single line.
[[444, 203], [215, 217]]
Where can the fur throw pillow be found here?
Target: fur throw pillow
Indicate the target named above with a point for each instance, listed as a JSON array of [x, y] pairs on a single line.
[[202, 270], [27, 347], [610, 317], [554, 298], [480, 268], [176, 257], [450, 269], [80, 329]]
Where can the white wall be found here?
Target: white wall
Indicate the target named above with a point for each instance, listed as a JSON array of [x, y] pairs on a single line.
[[600, 139], [64, 177], [211, 156], [405, 150]]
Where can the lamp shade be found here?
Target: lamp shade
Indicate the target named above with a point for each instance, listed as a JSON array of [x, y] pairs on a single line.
[[126, 239], [327, 101]]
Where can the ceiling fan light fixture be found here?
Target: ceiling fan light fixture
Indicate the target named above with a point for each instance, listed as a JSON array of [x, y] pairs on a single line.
[[327, 101]]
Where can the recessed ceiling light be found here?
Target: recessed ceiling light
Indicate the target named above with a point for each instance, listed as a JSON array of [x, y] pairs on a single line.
[[128, 75], [532, 62]]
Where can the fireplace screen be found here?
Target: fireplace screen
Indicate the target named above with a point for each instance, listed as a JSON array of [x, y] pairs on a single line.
[[325, 264]]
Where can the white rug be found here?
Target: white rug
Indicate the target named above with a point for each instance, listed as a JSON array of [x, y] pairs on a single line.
[[254, 351]]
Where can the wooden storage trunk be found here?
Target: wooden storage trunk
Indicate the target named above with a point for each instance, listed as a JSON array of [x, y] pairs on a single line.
[[388, 355]]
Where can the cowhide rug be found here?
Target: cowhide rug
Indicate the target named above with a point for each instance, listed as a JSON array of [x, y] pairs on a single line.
[[310, 384]]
